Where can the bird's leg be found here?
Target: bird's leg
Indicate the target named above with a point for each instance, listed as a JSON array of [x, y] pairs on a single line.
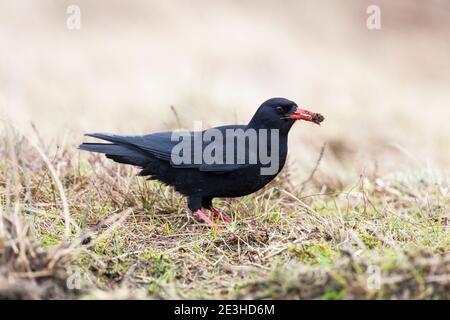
[[207, 219], [221, 216]]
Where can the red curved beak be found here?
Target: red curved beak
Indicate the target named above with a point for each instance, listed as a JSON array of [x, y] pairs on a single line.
[[302, 114]]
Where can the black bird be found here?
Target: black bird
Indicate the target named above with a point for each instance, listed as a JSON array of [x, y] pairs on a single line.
[[239, 160]]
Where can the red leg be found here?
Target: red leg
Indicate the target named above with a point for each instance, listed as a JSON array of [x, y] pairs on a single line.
[[222, 217], [207, 219]]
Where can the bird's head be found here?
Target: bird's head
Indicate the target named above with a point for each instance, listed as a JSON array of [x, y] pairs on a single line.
[[281, 113]]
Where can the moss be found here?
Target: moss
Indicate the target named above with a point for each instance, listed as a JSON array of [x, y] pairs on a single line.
[[334, 295], [49, 240], [314, 253], [370, 241]]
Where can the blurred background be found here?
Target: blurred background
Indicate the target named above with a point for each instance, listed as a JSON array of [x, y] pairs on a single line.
[[385, 93]]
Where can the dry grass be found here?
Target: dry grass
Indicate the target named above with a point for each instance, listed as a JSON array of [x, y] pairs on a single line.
[[134, 239], [376, 201]]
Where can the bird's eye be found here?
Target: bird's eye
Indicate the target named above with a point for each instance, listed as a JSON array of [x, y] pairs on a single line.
[[283, 109]]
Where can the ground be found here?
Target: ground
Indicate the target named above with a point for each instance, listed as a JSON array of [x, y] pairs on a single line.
[[367, 218], [124, 237]]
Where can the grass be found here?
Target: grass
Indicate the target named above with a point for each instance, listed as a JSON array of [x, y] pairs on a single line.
[[377, 237], [371, 220]]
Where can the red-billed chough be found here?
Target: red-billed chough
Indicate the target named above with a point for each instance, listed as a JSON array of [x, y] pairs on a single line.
[[226, 161]]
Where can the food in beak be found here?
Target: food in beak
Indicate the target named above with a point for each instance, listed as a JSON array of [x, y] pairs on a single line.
[[302, 114], [317, 118]]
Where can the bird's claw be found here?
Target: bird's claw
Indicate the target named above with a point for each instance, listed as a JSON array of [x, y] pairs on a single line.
[[221, 216], [208, 220]]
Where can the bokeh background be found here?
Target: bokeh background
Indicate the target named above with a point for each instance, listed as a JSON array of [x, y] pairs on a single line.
[[385, 93]]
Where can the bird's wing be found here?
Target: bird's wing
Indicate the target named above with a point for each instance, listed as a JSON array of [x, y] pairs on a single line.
[[161, 145]]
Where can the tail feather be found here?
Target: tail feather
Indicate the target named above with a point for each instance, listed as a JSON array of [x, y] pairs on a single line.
[[107, 137], [118, 153]]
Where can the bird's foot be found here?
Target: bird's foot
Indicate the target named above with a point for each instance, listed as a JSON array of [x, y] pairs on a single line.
[[221, 216], [207, 219]]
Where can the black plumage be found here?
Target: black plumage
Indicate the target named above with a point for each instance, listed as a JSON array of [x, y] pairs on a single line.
[[203, 181]]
